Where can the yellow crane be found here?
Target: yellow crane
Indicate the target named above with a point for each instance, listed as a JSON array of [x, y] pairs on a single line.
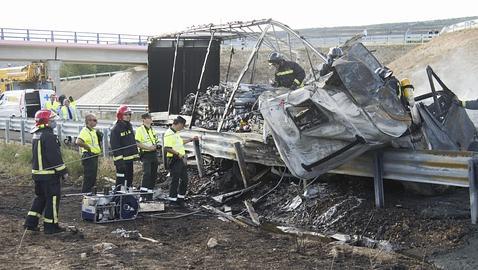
[[32, 76]]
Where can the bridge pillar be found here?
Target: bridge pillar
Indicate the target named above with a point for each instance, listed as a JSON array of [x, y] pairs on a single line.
[[53, 69]]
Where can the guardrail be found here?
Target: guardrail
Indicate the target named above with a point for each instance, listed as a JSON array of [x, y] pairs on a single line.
[[460, 26], [72, 37], [89, 76], [452, 168], [374, 39], [110, 107]]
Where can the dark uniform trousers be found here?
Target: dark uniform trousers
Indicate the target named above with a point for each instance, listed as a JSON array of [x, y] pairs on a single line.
[[90, 171], [150, 169], [47, 201], [179, 176], [124, 171]]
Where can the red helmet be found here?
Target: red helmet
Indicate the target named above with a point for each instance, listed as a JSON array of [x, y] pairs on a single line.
[[43, 116], [121, 111]]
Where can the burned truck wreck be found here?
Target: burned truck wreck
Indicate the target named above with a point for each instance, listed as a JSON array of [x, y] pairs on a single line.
[[321, 126], [331, 120]]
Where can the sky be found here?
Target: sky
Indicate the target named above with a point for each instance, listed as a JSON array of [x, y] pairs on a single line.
[[158, 17]]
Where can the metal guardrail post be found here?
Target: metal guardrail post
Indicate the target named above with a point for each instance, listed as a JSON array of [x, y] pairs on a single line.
[[28, 34], [199, 161], [58, 131], [105, 142], [7, 130], [164, 154], [52, 36], [75, 37], [473, 178], [241, 162], [22, 131], [2, 36], [97, 38], [119, 39], [378, 178]]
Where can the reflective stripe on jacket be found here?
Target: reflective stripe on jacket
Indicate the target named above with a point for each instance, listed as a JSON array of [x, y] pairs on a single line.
[[289, 74]]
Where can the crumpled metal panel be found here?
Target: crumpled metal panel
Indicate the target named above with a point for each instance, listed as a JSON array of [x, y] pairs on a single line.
[[322, 126]]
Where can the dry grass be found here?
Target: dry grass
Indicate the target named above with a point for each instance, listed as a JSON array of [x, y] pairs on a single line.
[[15, 164]]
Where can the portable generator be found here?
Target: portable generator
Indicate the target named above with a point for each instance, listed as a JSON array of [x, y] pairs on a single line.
[[118, 206]]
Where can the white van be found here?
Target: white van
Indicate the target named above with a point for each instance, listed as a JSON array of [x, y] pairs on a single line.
[[23, 103]]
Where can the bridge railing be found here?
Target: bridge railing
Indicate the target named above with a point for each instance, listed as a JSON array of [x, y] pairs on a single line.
[[72, 37]]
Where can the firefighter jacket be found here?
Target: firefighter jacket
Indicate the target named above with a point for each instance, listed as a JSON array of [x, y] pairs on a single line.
[[289, 74], [122, 141], [47, 162]]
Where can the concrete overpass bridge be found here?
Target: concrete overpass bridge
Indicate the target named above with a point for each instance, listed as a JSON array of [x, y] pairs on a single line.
[[56, 47]]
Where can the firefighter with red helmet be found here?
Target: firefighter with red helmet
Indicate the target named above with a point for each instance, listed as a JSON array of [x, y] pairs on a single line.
[[123, 145], [47, 171]]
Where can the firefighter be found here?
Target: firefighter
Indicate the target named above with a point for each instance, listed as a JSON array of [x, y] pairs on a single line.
[[176, 155], [334, 53], [288, 74], [89, 141], [147, 143], [52, 104], [47, 170], [123, 146]]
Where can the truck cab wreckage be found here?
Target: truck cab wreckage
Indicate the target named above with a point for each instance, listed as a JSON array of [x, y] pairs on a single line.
[[321, 127]]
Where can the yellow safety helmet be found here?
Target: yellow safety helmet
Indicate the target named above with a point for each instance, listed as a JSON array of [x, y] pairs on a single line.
[[407, 88]]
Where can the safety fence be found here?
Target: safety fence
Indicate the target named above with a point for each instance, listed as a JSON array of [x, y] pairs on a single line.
[[451, 168]]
